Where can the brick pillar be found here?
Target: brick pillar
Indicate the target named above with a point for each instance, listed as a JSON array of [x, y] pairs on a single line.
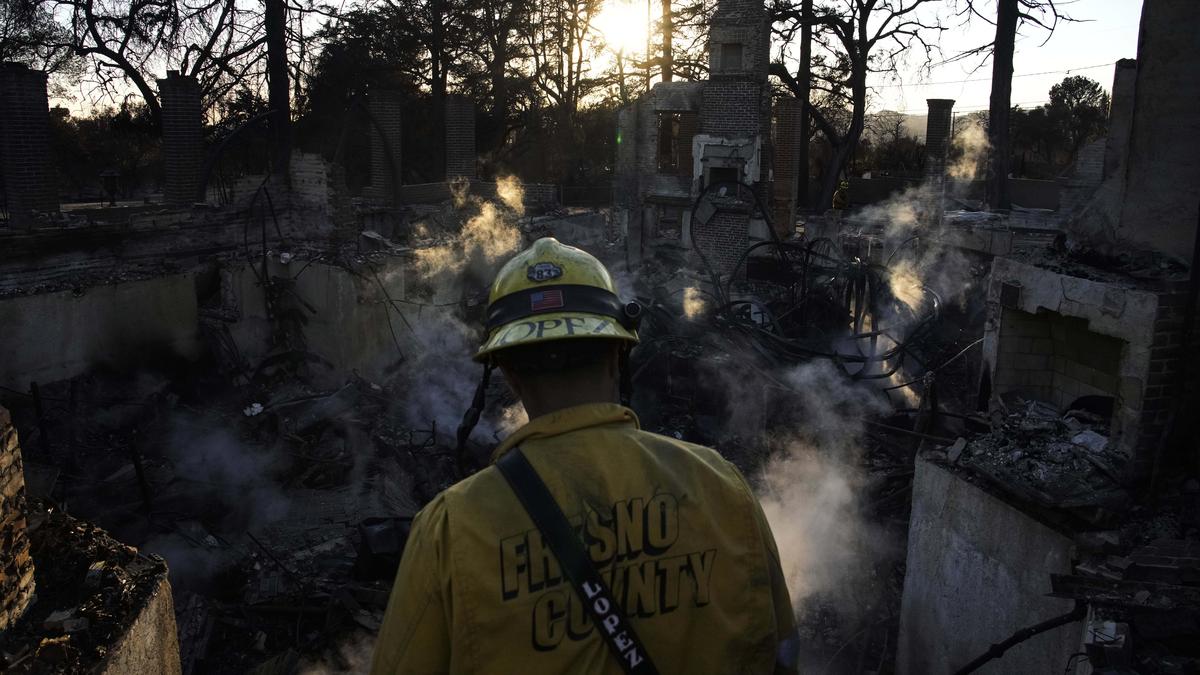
[[1120, 115], [787, 163], [182, 138], [937, 138], [460, 137], [385, 106], [28, 181], [16, 567]]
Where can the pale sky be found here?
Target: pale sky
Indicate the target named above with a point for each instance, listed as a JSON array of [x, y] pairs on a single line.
[[1108, 32], [1085, 48]]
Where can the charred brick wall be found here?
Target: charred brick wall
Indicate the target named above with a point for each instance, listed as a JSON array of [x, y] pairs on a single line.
[[937, 138], [1056, 358], [723, 238], [1162, 172], [16, 568], [182, 137], [736, 103], [1167, 358], [460, 137], [1120, 115], [385, 108], [28, 182], [732, 108]]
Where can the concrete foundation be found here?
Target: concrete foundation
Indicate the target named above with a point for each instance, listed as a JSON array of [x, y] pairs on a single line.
[[978, 571], [348, 324], [150, 644], [55, 336]]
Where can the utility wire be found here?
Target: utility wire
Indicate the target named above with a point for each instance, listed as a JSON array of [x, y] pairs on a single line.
[[988, 79]]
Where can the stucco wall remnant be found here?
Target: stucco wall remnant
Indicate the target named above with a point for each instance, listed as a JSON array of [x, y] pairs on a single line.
[[961, 558]]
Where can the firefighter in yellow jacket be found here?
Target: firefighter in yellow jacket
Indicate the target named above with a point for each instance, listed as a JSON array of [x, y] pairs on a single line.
[[672, 528]]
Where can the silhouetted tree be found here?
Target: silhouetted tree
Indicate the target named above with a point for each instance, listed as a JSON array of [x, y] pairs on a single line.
[[1010, 15], [1079, 109], [863, 36]]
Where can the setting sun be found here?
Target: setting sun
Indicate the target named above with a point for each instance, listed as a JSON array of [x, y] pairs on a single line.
[[623, 26]]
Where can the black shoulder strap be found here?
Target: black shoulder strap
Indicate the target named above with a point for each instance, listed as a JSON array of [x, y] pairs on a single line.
[[609, 617]]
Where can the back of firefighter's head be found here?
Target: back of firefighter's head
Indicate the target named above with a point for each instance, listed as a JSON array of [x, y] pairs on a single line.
[[556, 327]]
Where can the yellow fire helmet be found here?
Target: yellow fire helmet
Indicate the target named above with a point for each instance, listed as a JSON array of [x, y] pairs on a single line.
[[551, 291]]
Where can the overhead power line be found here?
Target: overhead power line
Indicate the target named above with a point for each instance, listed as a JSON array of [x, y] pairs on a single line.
[[964, 108], [988, 79]]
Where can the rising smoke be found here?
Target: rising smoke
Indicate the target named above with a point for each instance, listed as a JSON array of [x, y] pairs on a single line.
[[440, 378], [693, 303], [487, 237], [970, 150], [810, 492]]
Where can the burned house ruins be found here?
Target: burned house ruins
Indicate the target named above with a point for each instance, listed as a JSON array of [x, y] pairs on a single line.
[[222, 403]]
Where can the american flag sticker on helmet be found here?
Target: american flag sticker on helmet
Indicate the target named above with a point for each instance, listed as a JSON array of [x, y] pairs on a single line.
[[544, 301]]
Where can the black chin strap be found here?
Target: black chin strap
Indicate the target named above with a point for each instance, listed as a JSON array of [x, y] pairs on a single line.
[[471, 417], [625, 377]]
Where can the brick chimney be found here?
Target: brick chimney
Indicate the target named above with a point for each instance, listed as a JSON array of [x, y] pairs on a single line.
[[25, 144], [16, 569], [1120, 115], [460, 137], [1162, 170], [938, 129], [385, 106], [182, 138]]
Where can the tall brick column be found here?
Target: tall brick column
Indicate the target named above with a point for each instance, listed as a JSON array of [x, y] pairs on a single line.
[[736, 104], [16, 567], [182, 138], [28, 180], [460, 137], [385, 107], [1120, 115], [787, 163], [937, 138]]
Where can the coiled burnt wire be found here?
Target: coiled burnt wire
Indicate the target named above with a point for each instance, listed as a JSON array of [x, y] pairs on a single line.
[[876, 334]]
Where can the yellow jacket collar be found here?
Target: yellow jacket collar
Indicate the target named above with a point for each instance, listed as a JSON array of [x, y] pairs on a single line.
[[568, 419]]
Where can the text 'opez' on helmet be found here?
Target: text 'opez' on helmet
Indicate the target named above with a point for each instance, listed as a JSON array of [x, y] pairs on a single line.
[[551, 291]]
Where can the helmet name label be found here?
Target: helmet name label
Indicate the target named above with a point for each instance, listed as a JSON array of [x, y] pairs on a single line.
[[556, 327], [543, 271]]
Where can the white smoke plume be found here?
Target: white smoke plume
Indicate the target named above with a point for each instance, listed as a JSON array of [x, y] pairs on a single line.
[[487, 236], [970, 146], [809, 493], [352, 657], [237, 474], [512, 193], [440, 378], [693, 302], [905, 284]]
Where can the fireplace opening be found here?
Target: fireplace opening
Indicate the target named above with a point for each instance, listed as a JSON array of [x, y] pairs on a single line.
[[1058, 360]]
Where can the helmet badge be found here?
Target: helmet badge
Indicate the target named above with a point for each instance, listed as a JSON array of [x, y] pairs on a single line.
[[544, 271]]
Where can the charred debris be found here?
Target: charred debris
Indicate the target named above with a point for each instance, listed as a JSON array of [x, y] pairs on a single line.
[[282, 505]]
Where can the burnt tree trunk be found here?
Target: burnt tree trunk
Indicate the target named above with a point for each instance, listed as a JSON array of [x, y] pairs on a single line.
[[1000, 105], [437, 83], [805, 79], [668, 28], [844, 146]]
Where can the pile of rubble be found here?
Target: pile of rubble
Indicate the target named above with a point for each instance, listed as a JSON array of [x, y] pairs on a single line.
[[90, 588], [1049, 459]]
